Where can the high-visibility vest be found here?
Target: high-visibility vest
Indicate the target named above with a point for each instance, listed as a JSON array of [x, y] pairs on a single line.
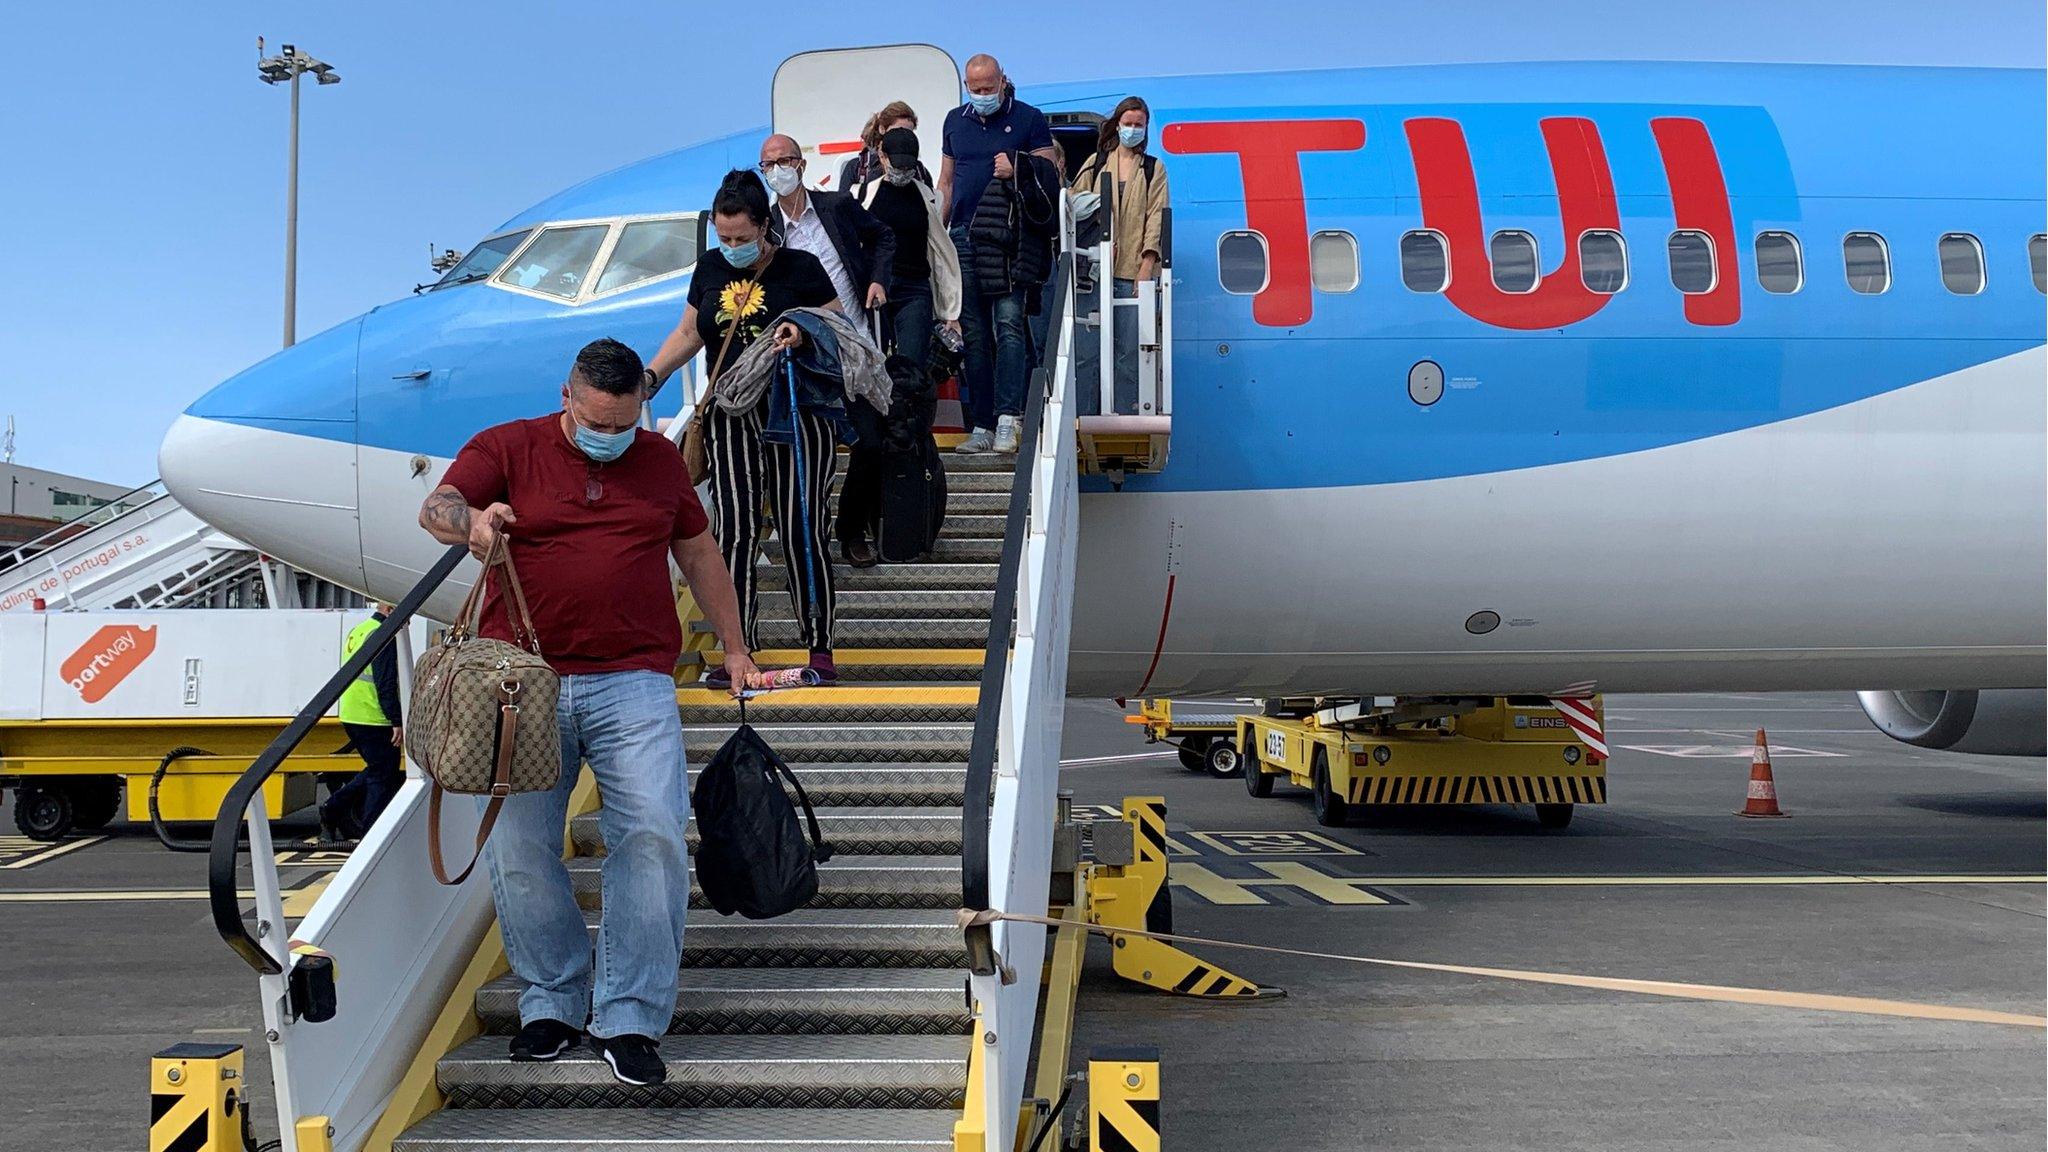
[[359, 704]]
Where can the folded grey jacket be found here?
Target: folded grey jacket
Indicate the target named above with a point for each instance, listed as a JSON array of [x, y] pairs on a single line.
[[834, 349]]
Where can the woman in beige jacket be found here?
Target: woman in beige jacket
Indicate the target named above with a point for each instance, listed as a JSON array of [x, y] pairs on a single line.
[[1135, 198]]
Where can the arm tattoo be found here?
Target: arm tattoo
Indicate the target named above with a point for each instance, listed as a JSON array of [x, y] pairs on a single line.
[[447, 510]]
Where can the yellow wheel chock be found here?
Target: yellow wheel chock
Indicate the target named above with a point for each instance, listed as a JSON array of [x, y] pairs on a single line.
[[1128, 890]]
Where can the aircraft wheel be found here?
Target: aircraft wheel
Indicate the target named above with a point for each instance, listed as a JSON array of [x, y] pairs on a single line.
[[1330, 810], [1256, 781], [1554, 815], [1194, 752], [45, 814], [1221, 760], [96, 800]]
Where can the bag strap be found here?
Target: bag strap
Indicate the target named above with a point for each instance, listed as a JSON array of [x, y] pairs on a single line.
[[518, 598], [501, 787], [820, 850], [718, 365]]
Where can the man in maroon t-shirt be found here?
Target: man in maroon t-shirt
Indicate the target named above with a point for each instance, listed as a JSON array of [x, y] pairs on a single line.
[[592, 509]]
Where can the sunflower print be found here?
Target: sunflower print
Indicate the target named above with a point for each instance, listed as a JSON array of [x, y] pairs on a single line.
[[740, 301]]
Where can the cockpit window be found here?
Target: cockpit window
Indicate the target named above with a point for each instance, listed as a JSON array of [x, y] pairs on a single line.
[[647, 249], [558, 260], [484, 259]]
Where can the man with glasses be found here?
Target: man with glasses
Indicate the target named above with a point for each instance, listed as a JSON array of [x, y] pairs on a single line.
[[856, 249], [593, 508]]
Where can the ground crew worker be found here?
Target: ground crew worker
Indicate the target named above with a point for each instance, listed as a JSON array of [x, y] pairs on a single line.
[[371, 716]]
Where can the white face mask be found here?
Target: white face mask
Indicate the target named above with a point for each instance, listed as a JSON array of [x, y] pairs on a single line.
[[782, 181]]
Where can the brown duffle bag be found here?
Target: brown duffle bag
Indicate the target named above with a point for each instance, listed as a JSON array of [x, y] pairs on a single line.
[[482, 716]]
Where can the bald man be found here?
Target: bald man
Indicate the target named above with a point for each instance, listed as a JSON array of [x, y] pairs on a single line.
[[855, 247], [984, 139]]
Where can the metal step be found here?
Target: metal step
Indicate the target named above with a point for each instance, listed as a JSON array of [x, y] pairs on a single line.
[[722, 1072], [866, 703], [860, 665], [932, 576], [888, 632], [683, 1130], [788, 1001], [865, 603], [976, 503], [802, 744], [958, 482], [948, 549], [845, 881], [891, 831], [881, 785], [978, 463], [963, 525], [821, 938]]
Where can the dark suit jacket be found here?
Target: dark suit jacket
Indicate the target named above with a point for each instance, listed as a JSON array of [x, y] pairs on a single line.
[[866, 246]]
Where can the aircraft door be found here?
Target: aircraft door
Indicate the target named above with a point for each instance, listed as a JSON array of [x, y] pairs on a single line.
[[822, 99]]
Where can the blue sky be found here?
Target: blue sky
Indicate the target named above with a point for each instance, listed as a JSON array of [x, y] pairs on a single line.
[[142, 163]]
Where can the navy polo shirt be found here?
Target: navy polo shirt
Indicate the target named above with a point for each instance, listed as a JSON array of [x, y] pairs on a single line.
[[973, 142]]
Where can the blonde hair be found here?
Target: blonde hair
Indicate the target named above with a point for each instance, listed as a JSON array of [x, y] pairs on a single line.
[[894, 110]]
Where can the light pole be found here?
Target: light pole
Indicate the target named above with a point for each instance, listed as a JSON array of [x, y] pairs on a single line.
[[289, 65]]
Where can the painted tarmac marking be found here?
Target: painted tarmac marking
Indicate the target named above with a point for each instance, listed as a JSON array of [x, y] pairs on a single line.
[[18, 852], [1271, 843], [322, 858], [1169, 754], [1242, 891], [1729, 751], [112, 895]]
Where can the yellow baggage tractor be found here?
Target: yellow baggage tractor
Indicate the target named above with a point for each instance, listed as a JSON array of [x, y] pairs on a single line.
[[1205, 736], [1364, 753]]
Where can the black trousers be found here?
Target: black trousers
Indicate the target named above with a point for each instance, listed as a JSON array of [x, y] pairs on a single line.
[[354, 806], [748, 472], [907, 325]]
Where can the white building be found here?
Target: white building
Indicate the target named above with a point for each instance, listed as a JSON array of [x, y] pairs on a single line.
[[40, 495]]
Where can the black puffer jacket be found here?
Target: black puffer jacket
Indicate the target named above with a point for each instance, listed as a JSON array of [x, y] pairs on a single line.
[[1010, 238]]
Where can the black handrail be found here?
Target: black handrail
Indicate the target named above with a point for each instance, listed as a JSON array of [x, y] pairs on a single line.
[[995, 661], [220, 871]]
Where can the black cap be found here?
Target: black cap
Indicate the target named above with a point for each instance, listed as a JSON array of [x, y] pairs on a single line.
[[900, 146]]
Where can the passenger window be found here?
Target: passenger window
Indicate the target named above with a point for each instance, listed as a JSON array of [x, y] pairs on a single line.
[[1867, 262], [1962, 263], [1603, 261], [557, 261], [1780, 267], [484, 259], [1692, 261], [647, 249], [1425, 261], [1241, 263], [1333, 261], [1514, 261], [2037, 255]]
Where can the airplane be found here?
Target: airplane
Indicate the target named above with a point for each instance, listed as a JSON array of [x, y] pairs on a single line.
[[1488, 379]]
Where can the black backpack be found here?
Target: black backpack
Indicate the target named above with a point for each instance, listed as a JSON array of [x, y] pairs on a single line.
[[752, 857]]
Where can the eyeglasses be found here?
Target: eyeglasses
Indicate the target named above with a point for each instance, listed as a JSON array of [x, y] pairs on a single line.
[[780, 162]]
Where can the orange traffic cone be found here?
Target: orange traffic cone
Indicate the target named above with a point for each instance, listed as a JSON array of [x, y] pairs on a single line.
[[1763, 791]]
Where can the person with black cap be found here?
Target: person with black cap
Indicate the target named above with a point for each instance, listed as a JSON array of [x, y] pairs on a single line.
[[925, 291]]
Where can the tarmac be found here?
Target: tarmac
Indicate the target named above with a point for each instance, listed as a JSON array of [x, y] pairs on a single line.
[[1901, 874]]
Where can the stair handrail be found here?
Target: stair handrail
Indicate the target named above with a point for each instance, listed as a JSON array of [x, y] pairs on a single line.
[[79, 525], [979, 798], [221, 893]]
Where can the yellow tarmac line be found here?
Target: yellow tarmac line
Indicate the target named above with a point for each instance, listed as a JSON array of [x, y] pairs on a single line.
[[1673, 881], [44, 855], [113, 895]]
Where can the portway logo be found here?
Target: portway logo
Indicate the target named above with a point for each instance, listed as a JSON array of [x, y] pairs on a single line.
[[106, 659]]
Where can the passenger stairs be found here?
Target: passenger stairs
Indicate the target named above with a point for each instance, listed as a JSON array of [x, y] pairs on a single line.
[[845, 1024], [146, 550]]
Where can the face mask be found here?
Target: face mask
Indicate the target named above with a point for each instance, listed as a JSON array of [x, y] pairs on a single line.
[[985, 105], [782, 181], [741, 255], [1130, 136], [899, 175], [603, 447]]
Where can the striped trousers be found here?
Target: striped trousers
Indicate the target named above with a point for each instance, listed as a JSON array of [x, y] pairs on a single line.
[[748, 474]]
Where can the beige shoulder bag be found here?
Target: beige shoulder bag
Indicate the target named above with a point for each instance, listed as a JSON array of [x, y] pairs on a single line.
[[695, 456]]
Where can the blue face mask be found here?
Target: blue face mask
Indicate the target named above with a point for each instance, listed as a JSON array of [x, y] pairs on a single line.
[[1129, 135], [603, 447], [985, 105], [741, 255]]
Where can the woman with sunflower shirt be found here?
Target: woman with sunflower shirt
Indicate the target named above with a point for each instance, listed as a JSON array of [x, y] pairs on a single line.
[[738, 288]]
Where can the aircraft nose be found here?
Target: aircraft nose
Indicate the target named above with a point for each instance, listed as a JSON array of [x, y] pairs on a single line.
[[269, 456]]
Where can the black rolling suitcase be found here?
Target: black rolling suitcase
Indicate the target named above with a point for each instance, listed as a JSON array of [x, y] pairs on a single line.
[[913, 475]]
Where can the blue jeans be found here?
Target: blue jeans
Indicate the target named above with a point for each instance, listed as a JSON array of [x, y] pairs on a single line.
[[625, 725], [998, 352]]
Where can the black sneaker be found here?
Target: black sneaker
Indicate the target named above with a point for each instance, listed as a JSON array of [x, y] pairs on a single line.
[[545, 1040], [633, 1059]]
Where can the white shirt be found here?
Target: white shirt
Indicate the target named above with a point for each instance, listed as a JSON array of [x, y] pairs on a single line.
[[806, 233]]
